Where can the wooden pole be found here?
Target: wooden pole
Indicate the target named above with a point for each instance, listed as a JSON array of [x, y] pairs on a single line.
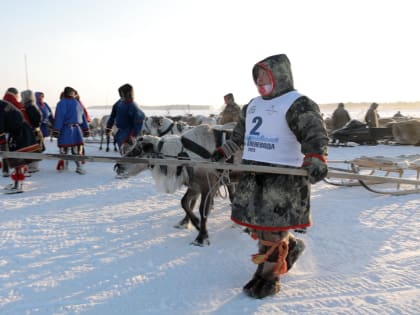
[[204, 164]]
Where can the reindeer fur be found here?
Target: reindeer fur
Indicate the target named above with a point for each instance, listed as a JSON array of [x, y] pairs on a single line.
[[199, 181]]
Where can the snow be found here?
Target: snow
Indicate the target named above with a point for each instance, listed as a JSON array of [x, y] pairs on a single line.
[[94, 244]]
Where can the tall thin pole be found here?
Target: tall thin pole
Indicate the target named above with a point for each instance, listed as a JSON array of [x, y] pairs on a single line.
[[26, 73]]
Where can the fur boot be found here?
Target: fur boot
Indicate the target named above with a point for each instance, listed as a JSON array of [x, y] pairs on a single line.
[[296, 248], [5, 168], [267, 284], [61, 165], [271, 263], [257, 277]]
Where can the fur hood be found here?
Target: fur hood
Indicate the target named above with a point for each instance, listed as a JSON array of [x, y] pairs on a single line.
[[280, 69], [11, 98], [28, 97]]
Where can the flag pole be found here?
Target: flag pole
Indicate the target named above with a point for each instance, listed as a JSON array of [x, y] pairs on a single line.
[[26, 72]]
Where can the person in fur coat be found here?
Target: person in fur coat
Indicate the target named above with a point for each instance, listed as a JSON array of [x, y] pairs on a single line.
[[35, 118], [127, 116], [231, 112], [47, 119], [70, 126], [372, 116], [21, 137], [281, 127], [340, 117]]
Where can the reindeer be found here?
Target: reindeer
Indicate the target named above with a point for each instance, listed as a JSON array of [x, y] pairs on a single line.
[[196, 120], [95, 127], [161, 126], [195, 144], [103, 123]]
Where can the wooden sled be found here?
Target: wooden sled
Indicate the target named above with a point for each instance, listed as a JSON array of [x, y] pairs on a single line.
[[373, 165]]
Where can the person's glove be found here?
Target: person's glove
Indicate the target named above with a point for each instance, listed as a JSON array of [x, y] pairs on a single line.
[[226, 150], [56, 133], [217, 155], [86, 133], [316, 165]]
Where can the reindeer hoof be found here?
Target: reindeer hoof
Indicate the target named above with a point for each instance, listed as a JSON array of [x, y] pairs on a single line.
[[183, 225], [201, 243]]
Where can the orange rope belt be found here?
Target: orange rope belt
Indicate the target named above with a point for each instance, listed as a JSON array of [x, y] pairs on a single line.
[[283, 247]]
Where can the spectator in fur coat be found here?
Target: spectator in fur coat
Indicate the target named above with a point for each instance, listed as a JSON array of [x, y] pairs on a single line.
[[47, 119], [21, 137], [127, 116], [340, 117], [70, 126], [372, 116], [35, 117], [231, 112]]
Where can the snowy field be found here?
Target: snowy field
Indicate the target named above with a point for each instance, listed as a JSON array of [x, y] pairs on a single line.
[[94, 244]]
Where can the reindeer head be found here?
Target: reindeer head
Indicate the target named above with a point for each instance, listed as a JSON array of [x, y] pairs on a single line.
[[153, 125], [145, 147]]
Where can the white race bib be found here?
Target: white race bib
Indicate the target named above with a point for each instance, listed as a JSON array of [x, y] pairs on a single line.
[[268, 137]]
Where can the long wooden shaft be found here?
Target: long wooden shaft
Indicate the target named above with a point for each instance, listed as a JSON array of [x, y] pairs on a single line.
[[203, 164]]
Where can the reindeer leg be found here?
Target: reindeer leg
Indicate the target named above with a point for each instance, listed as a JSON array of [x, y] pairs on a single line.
[[102, 140], [188, 203], [115, 144], [107, 142], [205, 206]]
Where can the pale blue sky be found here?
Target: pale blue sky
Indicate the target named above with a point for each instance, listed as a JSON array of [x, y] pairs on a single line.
[[194, 52]]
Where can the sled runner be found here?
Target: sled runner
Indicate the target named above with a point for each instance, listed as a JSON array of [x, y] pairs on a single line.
[[400, 166]]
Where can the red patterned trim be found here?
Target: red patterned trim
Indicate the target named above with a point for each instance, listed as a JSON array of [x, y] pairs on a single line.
[[318, 156], [270, 228], [31, 148], [270, 73]]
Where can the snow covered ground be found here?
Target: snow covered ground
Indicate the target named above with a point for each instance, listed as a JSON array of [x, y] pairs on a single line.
[[94, 244]]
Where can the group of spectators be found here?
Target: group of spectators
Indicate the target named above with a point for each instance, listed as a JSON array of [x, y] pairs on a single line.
[[24, 125], [26, 122], [341, 117], [21, 129]]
